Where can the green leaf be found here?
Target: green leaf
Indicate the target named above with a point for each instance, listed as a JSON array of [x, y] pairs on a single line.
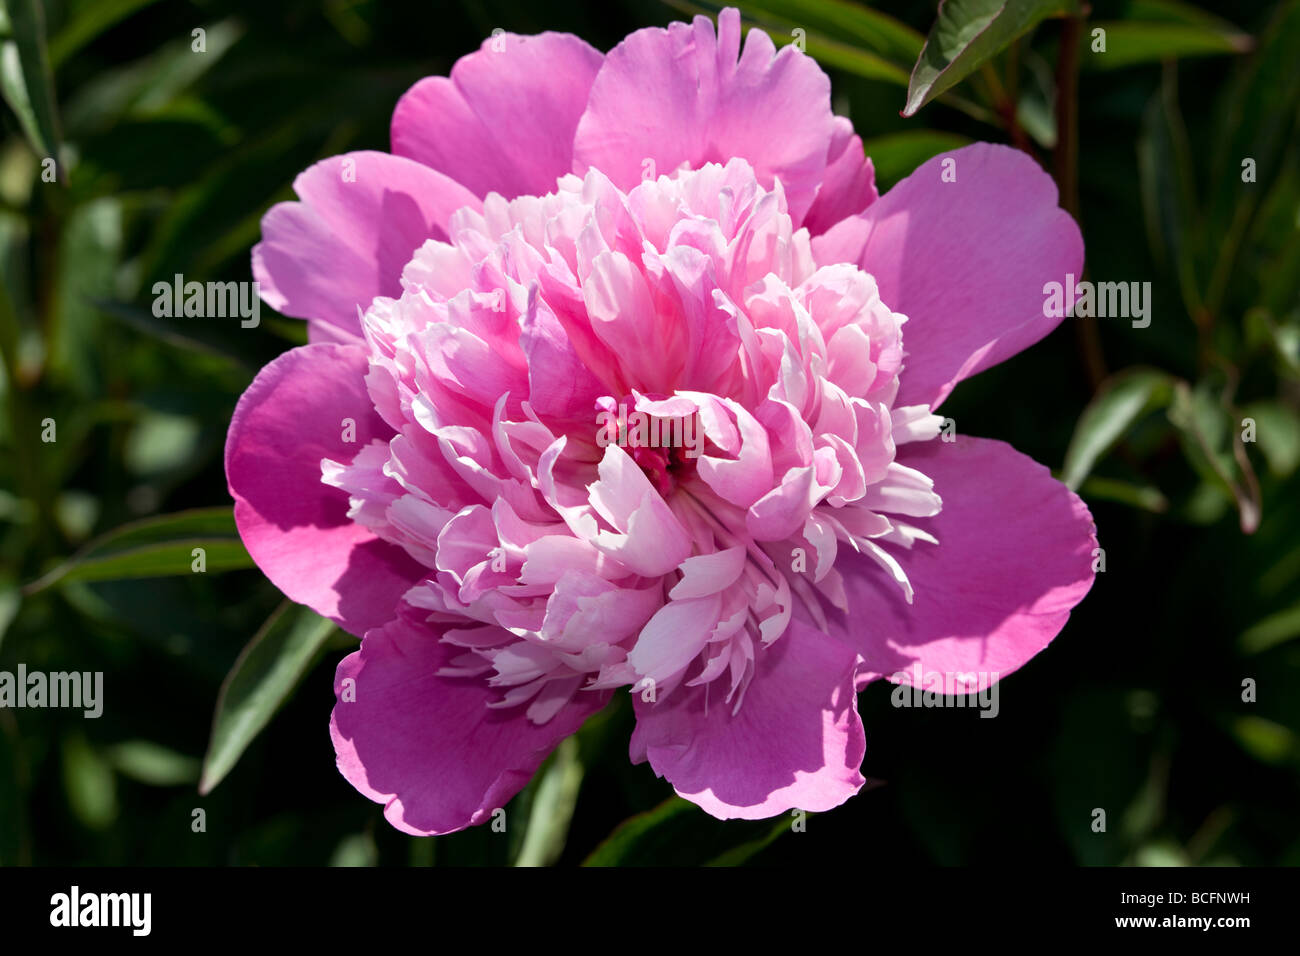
[[1266, 740], [1206, 431], [25, 77], [1277, 432], [742, 853], [641, 835], [1145, 497], [1167, 187], [552, 807], [13, 803], [223, 340], [89, 783], [855, 25], [1269, 633], [1129, 42], [1256, 120], [356, 849], [895, 156], [261, 680], [155, 547], [152, 763], [829, 50], [90, 251], [1118, 404], [91, 20], [966, 34], [678, 832]]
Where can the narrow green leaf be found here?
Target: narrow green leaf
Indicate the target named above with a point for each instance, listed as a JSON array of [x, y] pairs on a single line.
[[357, 849], [89, 783], [1129, 42], [1269, 633], [1119, 403], [1167, 188], [25, 76], [152, 763], [552, 807], [13, 803], [677, 833], [745, 851], [1277, 432], [1206, 430], [851, 23], [1145, 497], [155, 547], [966, 34], [1255, 121], [261, 680], [91, 20], [635, 835], [831, 51], [1266, 740]]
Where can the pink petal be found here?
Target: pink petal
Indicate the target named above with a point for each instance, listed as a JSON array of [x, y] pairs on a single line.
[[295, 527], [349, 238], [680, 95], [1015, 554], [429, 747], [966, 261], [849, 184], [796, 743], [504, 120]]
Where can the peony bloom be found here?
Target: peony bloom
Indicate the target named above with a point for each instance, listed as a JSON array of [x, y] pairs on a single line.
[[623, 379]]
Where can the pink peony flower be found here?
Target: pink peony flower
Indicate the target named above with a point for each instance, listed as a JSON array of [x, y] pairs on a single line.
[[623, 379]]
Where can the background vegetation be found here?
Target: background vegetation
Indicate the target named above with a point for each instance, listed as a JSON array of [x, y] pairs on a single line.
[[168, 159]]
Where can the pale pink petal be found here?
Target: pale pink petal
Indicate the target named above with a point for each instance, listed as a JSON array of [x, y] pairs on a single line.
[[293, 415], [361, 217], [1015, 554], [965, 261], [504, 120], [429, 747], [797, 741]]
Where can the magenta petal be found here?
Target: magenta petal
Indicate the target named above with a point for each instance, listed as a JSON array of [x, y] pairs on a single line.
[[295, 527], [680, 95], [1015, 554], [966, 261], [796, 743], [504, 121], [429, 747], [361, 217]]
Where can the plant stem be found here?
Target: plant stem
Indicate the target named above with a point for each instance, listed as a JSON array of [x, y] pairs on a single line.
[[1066, 166]]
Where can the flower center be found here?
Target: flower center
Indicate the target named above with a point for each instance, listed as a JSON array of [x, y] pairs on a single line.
[[664, 446]]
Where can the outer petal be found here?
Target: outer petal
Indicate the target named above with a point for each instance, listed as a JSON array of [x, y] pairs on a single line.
[[295, 527], [1015, 554], [966, 261], [797, 741], [429, 747], [849, 184], [679, 96], [504, 121], [348, 239]]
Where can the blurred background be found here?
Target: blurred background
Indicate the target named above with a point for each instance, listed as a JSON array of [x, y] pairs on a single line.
[[1171, 700]]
